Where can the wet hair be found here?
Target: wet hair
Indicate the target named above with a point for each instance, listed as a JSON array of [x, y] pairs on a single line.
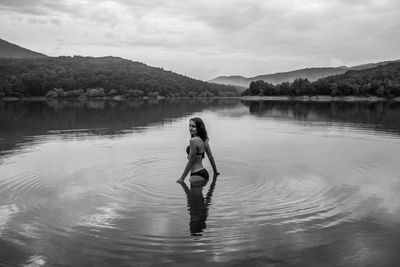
[[201, 128]]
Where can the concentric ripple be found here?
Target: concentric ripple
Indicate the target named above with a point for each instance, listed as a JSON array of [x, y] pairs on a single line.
[[82, 200]]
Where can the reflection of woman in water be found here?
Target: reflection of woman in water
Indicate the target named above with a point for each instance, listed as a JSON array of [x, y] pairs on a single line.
[[198, 205], [198, 147]]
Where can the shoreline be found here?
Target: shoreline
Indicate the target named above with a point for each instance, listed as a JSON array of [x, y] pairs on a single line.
[[320, 98], [108, 98]]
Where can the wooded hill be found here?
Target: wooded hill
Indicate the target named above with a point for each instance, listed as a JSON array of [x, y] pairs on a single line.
[[9, 50], [382, 81], [77, 76]]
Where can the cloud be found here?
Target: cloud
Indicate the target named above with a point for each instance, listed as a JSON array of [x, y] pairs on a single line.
[[296, 32], [37, 21], [227, 17], [55, 21], [38, 7]]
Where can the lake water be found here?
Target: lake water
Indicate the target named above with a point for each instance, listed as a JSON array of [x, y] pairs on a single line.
[[302, 184]]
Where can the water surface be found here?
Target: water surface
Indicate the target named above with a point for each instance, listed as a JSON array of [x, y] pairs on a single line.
[[301, 184]]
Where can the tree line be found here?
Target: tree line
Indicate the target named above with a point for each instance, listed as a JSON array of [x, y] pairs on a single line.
[[381, 81], [96, 77]]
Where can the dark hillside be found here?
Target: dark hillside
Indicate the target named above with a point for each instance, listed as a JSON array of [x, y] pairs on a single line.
[[382, 81], [114, 76], [9, 50]]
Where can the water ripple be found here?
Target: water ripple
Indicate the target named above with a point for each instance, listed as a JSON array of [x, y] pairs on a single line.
[[114, 207]]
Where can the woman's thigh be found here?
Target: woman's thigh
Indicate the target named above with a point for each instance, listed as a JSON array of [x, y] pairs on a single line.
[[197, 179]]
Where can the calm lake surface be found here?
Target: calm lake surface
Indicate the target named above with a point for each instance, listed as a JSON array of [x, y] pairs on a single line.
[[302, 184]]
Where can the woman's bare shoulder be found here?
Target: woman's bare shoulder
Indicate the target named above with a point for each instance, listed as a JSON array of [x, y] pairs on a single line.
[[195, 140]]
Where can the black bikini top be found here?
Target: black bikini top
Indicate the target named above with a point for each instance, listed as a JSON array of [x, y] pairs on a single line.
[[198, 154]]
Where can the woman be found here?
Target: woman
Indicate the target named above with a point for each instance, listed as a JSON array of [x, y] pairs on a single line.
[[198, 146]]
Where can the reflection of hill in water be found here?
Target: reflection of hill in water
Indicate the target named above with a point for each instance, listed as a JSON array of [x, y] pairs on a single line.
[[21, 120], [374, 115]]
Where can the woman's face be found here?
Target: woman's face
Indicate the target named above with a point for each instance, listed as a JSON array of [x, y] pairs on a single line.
[[192, 128]]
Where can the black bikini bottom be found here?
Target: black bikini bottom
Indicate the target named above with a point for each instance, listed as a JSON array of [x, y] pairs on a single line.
[[203, 173]]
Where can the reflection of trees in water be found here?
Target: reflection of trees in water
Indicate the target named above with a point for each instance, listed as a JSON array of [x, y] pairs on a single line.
[[28, 118], [198, 205], [382, 115], [59, 115]]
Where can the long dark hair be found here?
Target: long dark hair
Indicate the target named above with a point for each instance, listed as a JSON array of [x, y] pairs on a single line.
[[201, 128]]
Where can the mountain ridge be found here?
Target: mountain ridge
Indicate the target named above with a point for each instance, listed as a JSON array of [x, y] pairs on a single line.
[[312, 74], [383, 80], [10, 50], [27, 73]]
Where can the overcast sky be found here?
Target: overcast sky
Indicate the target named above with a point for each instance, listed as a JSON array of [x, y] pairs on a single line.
[[208, 38]]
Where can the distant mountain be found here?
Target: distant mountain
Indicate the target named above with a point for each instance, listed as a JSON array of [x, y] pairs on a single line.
[[312, 74], [9, 50], [383, 80], [372, 65], [240, 81]]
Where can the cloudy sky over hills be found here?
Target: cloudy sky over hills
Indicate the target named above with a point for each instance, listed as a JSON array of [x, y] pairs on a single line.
[[204, 39]]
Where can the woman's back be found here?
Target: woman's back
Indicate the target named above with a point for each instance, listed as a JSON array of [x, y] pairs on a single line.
[[199, 147]]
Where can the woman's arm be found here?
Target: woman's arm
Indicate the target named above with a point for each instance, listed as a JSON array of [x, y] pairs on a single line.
[[191, 159], [210, 157]]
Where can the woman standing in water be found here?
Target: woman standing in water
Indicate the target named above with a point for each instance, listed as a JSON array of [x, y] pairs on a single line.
[[198, 147]]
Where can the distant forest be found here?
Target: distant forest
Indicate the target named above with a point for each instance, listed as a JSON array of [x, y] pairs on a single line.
[[381, 81], [98, 77]]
